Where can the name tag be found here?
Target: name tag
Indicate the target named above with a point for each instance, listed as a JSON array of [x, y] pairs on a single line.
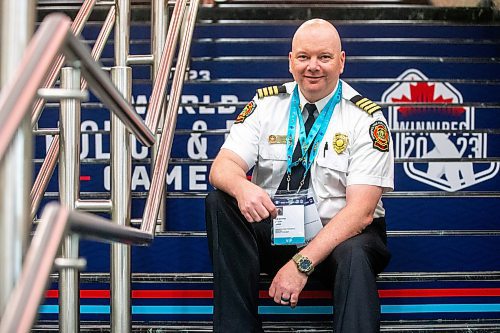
[[288, 226], [276, 139]]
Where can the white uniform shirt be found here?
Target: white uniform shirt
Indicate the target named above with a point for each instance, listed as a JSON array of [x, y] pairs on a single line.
[[331, 172]]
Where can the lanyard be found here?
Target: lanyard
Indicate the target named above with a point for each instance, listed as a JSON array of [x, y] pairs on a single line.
[[315, 135]]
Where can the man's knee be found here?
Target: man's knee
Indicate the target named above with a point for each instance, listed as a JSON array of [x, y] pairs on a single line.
[[213, 198]]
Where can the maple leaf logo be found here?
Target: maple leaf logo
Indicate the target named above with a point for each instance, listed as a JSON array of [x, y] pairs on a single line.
[[423, 92]]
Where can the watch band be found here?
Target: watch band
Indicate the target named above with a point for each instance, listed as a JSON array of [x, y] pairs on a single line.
[[304, 264]]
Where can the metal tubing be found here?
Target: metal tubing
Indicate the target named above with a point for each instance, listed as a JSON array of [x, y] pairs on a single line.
[[159, 19], [104, 89], [69, 187], [103, 206], [44, 175], [98, 228], [76, 27], [121, 166], [56, 94], [49, 164], [160, 167], [140, 59], [122, 32], [165, 65], [17, 96], [17, 24], [23, 303], [102, 38], [41, 256]]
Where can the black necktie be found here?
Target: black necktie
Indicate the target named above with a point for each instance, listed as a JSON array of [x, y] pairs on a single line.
[[298, 171]]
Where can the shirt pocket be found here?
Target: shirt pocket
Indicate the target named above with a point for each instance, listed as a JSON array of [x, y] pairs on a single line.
[[271, 165], [331, 174]]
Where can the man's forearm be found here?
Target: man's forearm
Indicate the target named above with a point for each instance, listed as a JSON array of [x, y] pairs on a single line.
[[349, 222], [227, 176]]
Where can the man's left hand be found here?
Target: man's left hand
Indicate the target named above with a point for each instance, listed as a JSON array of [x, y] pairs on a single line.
[[287, 285]]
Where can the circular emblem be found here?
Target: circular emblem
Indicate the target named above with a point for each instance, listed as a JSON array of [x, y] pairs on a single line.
[[380, 136], [340, 142]]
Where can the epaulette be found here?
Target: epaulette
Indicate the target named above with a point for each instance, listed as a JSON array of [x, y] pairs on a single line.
[[270, 91], [365, 104]]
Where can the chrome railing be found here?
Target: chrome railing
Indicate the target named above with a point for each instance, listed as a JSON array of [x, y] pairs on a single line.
[[53, 45], [158, 183], [56, 222], [49, 164], [54, 36]]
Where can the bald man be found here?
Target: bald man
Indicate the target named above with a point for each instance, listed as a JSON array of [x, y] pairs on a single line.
[[319, 140]]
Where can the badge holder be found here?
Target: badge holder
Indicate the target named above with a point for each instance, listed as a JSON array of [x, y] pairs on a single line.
[[288, 226], [312, 220]]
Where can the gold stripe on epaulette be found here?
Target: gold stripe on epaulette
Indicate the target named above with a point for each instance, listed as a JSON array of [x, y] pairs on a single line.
[[365, 104], [373, 109], [269, 91]]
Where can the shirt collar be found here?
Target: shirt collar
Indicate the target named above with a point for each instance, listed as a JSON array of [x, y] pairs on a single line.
[[319, 104]]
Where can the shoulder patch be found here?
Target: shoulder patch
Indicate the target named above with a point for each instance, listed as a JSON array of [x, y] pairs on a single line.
[[270, 91], [246, 112], [365, 104], [380, 136]]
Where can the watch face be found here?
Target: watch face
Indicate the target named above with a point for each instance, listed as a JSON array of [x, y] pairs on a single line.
[[305, 264]]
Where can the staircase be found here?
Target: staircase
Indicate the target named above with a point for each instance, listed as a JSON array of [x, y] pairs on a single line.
[[445, 271]]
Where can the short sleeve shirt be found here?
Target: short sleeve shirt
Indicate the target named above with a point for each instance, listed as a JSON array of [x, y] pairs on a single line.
[[258, 138]]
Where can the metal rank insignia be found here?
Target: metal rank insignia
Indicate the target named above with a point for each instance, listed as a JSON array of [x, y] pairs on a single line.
[[276, 139], [340, 142]]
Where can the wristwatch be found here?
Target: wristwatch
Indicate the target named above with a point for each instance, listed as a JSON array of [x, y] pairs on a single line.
[[304, 264]]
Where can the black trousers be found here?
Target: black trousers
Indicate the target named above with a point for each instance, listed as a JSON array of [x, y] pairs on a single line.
[[241, 250]]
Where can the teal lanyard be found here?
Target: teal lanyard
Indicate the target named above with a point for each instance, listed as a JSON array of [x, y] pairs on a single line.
[[315, 135]]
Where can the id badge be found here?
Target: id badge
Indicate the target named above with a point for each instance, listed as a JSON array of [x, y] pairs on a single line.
[[312, 221], [288, 226]]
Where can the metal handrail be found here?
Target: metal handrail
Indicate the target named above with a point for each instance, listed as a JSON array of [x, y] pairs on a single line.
[[165, 66], [106, 91], [49, 164], [16, 97], [56, 222], [77, 27], [53, 36], [158, 183]]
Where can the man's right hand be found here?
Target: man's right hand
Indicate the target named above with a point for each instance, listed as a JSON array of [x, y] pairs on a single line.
[[254, 203], [228, 173]]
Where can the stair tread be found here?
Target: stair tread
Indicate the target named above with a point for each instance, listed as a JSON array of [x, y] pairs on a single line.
[[290, 326]]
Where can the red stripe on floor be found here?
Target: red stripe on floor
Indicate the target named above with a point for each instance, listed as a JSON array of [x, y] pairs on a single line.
[[307, 294], [455, 292], [172, 294]]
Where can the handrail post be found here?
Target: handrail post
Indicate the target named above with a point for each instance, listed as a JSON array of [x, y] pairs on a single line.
[[69, 188], [17, 19], [159, 23], [121, 165]]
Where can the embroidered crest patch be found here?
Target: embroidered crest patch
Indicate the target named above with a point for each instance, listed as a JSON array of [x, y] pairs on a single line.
[[380, 136], [246, 112]]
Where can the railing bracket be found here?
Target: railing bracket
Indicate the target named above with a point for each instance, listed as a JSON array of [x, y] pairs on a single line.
[[56, 94], [75, 263]]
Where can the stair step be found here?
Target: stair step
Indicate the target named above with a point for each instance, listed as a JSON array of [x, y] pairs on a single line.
[[207, 277], [297, 327]]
